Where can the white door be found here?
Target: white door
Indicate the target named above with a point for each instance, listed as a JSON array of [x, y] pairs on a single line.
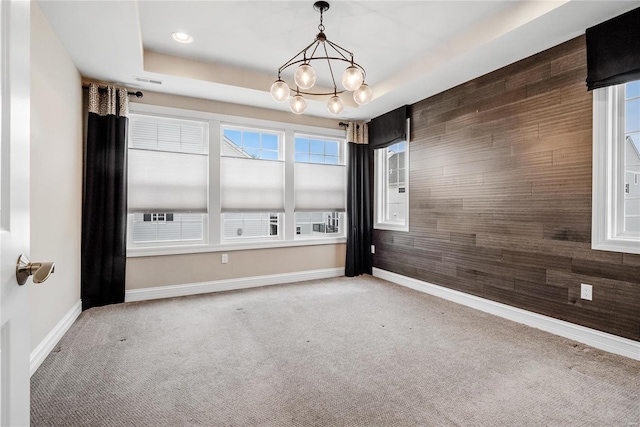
[[14, 210]]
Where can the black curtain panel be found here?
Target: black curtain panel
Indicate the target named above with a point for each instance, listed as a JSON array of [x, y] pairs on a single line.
[[388, 128], [104, 205], [613, 51], [359, 206]]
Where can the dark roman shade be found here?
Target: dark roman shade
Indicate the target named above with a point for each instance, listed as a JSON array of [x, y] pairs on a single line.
[[388, 128], [613, 51]]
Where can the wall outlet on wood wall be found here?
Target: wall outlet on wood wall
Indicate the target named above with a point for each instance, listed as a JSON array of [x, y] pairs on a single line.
[[586, 291]]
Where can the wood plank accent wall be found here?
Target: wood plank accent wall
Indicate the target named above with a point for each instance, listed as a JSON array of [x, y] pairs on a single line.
[[500, 196]]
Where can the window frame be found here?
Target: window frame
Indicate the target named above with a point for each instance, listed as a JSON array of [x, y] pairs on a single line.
[[213, 225], [607, 230], [131, 244], [380, 183]]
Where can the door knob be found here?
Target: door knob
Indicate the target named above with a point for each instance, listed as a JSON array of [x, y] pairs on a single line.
[[40, 270]]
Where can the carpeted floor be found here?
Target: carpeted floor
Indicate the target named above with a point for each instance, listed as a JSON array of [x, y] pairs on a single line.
[[338, 352]]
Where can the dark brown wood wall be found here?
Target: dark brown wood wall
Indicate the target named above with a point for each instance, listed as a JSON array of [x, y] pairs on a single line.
[[500, 196]]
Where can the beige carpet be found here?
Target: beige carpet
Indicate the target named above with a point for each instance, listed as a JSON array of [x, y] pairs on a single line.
[[338, 352]]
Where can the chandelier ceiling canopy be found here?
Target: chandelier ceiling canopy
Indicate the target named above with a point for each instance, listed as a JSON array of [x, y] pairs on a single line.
[[321, 49]]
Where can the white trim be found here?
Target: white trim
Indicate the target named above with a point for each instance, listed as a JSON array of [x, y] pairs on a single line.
[[51, 340], [598, 339], [607, 232], [182, 113], [229, 284], [235, 246], [378, 189]]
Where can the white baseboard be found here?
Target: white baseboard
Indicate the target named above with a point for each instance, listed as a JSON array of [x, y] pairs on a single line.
[[51, 340], [228, 284], [592, 337]]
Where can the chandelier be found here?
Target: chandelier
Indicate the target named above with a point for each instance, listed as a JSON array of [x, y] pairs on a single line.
[[305, 76]]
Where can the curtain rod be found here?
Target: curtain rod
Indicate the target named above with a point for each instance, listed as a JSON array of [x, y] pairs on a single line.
[[137, 94], [346, 125]]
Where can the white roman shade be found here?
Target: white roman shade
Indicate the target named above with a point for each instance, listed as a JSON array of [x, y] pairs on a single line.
[[251, 185], [320, 187], [167, 165]]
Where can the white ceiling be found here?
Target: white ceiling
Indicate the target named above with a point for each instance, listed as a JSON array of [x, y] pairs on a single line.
[[410, 49]]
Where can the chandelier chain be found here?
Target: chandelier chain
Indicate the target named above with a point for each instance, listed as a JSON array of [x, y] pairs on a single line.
[[321, 26]]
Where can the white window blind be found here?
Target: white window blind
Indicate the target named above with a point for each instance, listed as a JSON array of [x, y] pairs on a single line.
[[251, 185], [320, 187], [167, 165]]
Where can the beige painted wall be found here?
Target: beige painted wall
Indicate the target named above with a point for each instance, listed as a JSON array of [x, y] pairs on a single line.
[[56, 176], [148, 272], [145, 272], [197, 104]]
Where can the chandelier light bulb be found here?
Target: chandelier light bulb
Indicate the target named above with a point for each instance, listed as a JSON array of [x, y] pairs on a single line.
[[335, 105], [298, 104], [352, 78], [280, 91], [305, 76], [363, 94]]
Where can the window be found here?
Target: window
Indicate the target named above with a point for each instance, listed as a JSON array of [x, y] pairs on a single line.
[[252, 183], [320, 186], [616, 168], [167, 178], [201, 182], [392, 187]]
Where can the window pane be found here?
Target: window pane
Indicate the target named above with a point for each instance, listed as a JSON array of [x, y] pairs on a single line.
[[234, 136], [314, 158], [304, 158], [634, 140], [253, 152], [269, 155], [329, 160], [632, 115], [167, 227], [632, 89], [269, 142], [318, 224], [393, 161], [632, 159], [251, 139], [302, 145], [317, 147], [250, 144], [331, 148], [249, 225]]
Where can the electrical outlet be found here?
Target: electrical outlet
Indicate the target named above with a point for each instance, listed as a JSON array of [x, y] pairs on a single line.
[[225, 258], [586, 291], [373, 249]]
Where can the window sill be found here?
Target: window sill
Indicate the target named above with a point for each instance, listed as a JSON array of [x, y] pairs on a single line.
[[630, 245], [391, 227], [228, 247]]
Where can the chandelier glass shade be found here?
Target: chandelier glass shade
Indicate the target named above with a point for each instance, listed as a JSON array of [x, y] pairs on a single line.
[[298, 104], [280, 90], [321, 49], [362, 95]]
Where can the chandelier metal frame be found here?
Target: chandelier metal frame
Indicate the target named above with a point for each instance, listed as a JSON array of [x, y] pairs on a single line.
[[321, 39], [320, 50]]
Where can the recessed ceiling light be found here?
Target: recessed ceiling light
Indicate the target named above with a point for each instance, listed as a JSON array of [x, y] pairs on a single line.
[[182, 37]]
